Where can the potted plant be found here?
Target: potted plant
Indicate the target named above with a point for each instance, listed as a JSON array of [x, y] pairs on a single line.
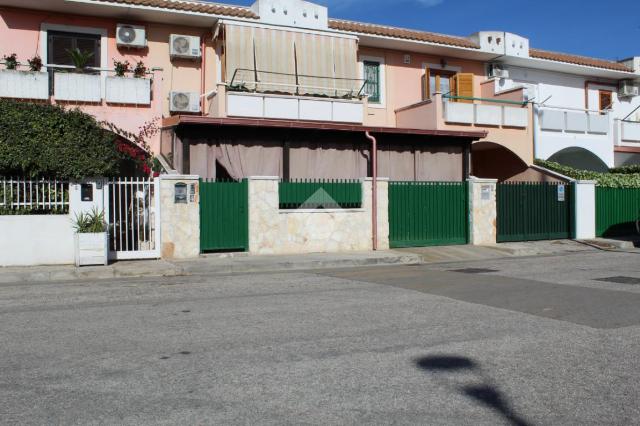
[[131, 91], [79, 84], [23, 84], [90, 238]]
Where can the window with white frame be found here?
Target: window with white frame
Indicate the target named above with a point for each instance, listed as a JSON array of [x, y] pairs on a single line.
[[61, 45], [372, 71]]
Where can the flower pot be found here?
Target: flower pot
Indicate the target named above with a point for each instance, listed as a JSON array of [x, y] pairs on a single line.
[[71, 86], [91, 249], [24, 84], [128, 90]]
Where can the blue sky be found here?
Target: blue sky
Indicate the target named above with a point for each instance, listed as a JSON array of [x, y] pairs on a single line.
[[604, 29]]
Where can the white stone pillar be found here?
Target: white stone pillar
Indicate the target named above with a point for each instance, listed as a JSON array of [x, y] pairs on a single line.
[[482, 211], [264, 204], [383, 208], [585, 209], [180, 217]]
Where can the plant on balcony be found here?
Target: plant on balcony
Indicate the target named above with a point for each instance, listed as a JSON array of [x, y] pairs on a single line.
[[35, 64], [80, 58], [11, 61], [121, 67], [140, 71]]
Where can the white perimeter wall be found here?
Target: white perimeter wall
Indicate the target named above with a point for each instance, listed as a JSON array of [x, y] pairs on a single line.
[[36, 240]]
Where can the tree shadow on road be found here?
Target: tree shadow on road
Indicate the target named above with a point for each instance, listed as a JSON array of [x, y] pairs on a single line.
[[483, 390]]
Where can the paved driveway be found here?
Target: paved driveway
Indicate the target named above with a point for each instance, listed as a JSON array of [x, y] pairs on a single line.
[[401, 345]]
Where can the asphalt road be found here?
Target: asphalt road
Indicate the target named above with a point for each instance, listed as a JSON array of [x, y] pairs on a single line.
[[530, 341]]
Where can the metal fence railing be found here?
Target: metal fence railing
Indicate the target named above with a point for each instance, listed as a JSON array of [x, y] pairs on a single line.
[[617, 211], [320, 194], [33, 196]]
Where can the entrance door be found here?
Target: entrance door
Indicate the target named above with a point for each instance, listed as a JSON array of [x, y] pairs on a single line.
[[224, 215]]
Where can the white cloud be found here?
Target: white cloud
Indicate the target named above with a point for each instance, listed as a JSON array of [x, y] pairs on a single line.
[[429, 3]]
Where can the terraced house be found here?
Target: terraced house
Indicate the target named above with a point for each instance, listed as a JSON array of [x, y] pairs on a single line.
[[281, 89]]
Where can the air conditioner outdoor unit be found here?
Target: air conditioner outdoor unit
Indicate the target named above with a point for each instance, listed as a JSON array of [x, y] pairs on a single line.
[[498, 71], [628, 88], [133, 36], [184, 102], [183, 46]]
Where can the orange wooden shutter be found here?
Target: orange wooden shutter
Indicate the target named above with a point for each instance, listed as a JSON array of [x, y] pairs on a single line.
[[464, 86], [426, 89]]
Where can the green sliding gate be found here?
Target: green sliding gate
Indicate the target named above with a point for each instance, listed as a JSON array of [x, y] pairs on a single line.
[[428, 213], [617, 211], [224, 215], [535, 211]]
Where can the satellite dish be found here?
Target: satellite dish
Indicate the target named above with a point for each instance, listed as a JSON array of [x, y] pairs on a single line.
[[181, 45], [180, 101], [127, 34]]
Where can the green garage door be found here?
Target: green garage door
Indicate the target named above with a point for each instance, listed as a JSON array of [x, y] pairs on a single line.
[[535, 211], [428, 213]]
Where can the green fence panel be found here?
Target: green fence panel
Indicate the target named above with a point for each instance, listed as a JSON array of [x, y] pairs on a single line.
[[428, 213], [535, 211], [224, 216], [313, 193], [617, 211]]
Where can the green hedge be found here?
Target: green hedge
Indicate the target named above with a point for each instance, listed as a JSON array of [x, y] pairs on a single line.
[[617, 178], [50, 141]]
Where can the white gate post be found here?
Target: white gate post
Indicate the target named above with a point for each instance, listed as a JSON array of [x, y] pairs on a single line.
[[585, 209]]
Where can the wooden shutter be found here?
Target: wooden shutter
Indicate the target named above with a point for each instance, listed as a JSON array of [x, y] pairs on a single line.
[[463, 86], [426, 86], [606, 99]]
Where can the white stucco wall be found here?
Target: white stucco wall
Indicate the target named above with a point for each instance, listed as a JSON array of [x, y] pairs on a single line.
[[36, 240], [568, 91]]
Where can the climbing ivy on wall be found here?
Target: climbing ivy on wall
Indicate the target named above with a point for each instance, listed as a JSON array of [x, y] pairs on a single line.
[[627, 177]]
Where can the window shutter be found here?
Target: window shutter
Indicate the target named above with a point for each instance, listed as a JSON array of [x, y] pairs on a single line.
[[426, 90], [463, 84]]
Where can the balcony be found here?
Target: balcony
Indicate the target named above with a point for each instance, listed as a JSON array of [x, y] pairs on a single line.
[[61, 83], [485, 114], [573, 121], [269, 95], [627, 133]]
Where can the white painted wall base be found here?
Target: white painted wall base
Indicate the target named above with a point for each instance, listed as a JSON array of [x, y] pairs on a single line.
[[585, 209], [36, 240]]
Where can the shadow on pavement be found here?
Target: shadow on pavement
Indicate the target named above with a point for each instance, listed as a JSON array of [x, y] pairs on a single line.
[[484, 392]]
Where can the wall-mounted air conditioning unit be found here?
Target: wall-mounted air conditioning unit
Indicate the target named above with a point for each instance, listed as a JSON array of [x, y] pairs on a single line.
[[184, 102], [134, 36], [628, 88], [182, 46], [498, 71]]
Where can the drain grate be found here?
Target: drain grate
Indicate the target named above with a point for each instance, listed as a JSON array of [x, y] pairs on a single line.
[[473, 270], [621, 280]]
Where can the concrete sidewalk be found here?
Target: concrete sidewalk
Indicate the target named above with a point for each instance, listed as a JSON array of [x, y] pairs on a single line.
[[222, 264]]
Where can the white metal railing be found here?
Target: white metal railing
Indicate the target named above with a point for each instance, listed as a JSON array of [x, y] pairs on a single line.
[[573, 120], [628, 132], [24, 194], [486, 114]]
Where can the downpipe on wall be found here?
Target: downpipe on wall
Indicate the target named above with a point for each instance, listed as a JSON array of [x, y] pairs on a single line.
[[374, 189]]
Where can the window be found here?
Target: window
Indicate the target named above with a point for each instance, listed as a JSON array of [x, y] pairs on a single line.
[[60, 43], [372, 77], [440, 81], [606, 99]]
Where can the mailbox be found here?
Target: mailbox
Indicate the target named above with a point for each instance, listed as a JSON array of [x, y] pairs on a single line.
[[180, 193], [86, 192]]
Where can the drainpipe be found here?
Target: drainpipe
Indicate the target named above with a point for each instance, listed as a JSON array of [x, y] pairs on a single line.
[[374, 189], [203, 71]]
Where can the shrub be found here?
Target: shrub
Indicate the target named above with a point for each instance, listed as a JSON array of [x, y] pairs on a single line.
[[80, 58], [607, 180], [46, 140]]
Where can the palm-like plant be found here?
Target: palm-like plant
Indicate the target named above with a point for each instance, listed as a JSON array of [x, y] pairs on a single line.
[[80, 58]]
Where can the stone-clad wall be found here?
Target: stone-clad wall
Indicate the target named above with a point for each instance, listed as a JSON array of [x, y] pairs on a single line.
[[483, 213], [179, 223], [275, 231]]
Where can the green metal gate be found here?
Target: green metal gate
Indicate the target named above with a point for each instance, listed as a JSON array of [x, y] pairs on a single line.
[[428, 213], [617, 211], [224, 215], [535, 211]]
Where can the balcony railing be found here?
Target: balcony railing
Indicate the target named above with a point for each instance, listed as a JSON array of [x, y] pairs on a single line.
[[490, 112], [628, 132], [248, 80], [573, 120], [63, 84]]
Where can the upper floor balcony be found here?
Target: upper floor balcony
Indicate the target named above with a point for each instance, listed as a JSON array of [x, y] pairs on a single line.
[[447, 112], [62, 83], [273, 95]]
